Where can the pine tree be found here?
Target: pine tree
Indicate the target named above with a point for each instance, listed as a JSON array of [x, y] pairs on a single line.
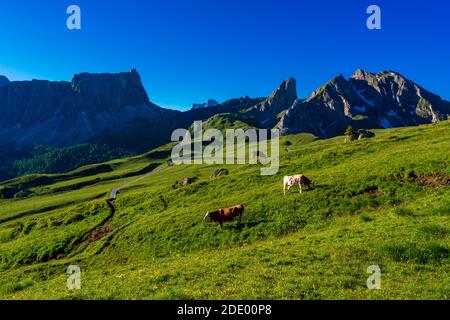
[[350, 134], [349, 131]]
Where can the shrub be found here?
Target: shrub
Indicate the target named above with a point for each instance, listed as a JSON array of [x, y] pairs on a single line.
[[365, 218], [404, 212]]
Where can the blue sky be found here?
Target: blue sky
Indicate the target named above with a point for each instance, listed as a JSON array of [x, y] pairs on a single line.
[[190, 50]]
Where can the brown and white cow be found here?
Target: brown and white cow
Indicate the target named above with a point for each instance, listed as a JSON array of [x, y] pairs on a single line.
[[299, 179], [225, 215]]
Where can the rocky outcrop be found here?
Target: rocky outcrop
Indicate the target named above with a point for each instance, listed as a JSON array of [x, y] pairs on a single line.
[[366, 100], [268, 111], [398, 101], [109, 92], [281, 98], [90, 107]]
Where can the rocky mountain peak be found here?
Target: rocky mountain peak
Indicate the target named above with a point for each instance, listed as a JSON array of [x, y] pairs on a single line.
[[390, 73], [366, 100], [336, 85], [338, 82], [360, 74], [266, 112], [284, 95], [64, 113], [110, 92]]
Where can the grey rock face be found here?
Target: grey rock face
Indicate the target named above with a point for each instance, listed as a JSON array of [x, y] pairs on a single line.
[[268, 110], [282, 97], [109, 92], [68, 113]]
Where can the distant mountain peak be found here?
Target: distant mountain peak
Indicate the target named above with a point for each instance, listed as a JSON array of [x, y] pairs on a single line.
[[110, 91], [390, 73], [208, 103], [266, 112], [361, 74], [283, 96], [366, 100], [91, 106], [338, 80]]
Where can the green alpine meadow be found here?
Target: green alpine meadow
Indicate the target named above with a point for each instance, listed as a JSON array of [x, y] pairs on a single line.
[[381, 201]]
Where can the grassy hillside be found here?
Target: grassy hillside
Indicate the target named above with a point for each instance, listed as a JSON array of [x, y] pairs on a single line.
[[45, 159], [383, 201], [224, 121]]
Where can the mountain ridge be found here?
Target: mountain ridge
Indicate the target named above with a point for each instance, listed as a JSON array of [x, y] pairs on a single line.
[[382, 100], [115, 109]]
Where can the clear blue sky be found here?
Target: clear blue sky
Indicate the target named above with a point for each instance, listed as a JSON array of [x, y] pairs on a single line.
[[190, 50]]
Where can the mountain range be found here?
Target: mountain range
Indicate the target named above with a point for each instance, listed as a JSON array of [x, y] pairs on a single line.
[[365, 100], [114, 110]]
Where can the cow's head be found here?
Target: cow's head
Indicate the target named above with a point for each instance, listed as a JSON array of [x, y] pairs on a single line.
[[207, 217]]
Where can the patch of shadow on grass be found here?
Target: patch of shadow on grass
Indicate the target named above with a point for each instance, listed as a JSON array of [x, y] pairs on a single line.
[[434, 230], [397, 138], [49, 208], [14, 287], [248, 224], [429, 254], [441, 210], [365, 217], [404, 212]]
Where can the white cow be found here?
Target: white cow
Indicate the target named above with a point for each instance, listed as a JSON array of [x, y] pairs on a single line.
[[299, 179]]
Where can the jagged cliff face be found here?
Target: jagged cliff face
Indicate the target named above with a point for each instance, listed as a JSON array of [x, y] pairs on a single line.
[[91, 106], [24, 103], [366, 100], [269, 110], [398, 100], [109, 92]]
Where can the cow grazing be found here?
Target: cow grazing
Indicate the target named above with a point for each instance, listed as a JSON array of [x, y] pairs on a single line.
[[299, 179], [225, 215]]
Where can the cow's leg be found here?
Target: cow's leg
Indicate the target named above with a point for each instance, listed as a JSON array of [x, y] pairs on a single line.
[[284, 188], [221, 224], [300, 186]]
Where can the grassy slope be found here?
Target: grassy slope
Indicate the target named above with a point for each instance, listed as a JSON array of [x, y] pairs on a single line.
[[363, 211]]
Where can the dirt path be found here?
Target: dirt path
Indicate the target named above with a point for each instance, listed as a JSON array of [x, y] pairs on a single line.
[[113, 194], [104, 228]]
